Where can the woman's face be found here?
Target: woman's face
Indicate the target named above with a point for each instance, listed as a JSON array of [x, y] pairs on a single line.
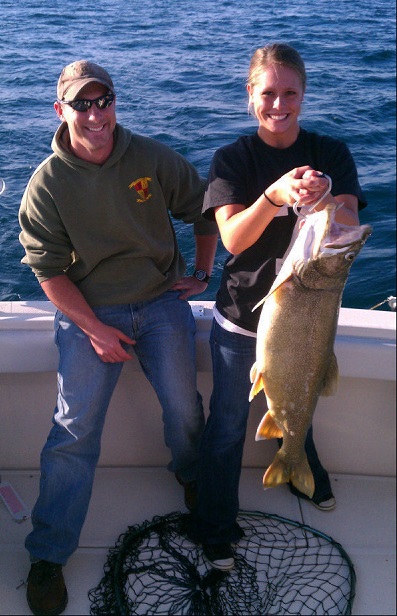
[[276, 99]]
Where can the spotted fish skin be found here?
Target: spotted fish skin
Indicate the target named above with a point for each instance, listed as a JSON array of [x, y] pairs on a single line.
[[295, 359]]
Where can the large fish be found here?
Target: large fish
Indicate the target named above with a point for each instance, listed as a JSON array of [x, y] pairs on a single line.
[[295, 360]]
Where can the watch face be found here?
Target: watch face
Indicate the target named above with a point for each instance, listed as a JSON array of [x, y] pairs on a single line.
[[200, 274]]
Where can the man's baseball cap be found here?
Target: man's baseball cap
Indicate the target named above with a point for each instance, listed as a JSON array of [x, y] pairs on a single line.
[[75, 76]]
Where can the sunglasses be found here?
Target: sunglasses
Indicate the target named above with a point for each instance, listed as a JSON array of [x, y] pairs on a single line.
[[84, 104]]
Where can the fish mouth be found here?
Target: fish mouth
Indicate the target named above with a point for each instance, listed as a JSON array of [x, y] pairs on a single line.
[[337, 237], [343, 236]]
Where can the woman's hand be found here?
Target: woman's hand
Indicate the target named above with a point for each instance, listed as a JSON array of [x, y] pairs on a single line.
[[302, 184]]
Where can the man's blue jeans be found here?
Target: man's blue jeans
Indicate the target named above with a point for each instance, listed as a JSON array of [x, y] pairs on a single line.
[[164, 330], [223, 439]]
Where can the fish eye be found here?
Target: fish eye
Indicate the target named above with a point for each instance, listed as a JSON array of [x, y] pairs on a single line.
[[349, 256]]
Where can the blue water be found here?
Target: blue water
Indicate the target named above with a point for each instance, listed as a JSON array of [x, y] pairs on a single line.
[[179, 69]]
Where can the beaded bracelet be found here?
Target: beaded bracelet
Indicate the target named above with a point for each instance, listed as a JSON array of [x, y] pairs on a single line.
[[270, 201]]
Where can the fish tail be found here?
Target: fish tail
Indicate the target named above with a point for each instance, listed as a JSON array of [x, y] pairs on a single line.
[[268, 428], [302, 477], [282, 471], [278, 472]]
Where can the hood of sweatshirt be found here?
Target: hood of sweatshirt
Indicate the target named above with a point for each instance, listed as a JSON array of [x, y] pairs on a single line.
[[122, 138]]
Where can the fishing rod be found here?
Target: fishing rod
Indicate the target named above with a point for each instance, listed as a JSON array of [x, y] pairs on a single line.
[[391, 300]]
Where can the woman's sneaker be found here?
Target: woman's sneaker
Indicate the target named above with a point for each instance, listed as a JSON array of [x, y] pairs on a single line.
[[323, 503], [326, 504], [219, 555]]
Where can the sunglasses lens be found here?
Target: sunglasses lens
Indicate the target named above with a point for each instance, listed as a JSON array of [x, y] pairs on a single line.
[[84, 104], [104, 101], [80, 105]]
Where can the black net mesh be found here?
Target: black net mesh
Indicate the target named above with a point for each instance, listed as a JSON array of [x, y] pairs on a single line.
[[281, 567]]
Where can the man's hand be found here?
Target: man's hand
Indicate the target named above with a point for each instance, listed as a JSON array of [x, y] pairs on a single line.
[[106, 341], [189, 285]]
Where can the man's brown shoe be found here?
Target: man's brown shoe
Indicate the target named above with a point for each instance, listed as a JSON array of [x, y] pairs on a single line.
[[46, 593]]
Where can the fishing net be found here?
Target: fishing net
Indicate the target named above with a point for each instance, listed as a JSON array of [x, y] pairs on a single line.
[[281, 567]]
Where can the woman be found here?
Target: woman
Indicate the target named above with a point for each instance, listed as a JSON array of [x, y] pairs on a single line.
[[253, 184]]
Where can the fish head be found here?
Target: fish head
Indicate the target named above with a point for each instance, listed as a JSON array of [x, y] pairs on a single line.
[[327, 249], [322, 253]]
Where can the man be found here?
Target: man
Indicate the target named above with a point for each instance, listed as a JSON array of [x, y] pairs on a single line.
[[97, 233]]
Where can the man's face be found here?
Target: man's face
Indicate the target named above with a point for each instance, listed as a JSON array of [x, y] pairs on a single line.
[[91, 131]]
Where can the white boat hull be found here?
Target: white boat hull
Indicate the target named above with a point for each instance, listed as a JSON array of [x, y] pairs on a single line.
[[354, 434]]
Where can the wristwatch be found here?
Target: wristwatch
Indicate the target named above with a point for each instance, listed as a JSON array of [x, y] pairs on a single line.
[[201, 275]]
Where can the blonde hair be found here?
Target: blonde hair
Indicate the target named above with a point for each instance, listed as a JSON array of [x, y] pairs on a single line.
[[275, 53]]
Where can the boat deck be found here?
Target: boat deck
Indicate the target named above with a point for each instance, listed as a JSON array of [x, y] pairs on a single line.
[[363, 523]]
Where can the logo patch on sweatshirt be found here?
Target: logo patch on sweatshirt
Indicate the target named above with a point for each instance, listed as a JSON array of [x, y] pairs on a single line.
[[141, 186]]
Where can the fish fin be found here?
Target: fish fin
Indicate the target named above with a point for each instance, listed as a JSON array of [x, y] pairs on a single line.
[[281, 278], [257, 382], [268, 428], [260, 303], [277, 473], [302, 477], [281, 471], [330, 383]]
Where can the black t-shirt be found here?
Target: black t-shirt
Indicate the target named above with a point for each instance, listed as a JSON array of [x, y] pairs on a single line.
[[239, 173]]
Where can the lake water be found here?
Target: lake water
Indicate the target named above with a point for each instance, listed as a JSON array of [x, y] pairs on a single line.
[[179, 69]]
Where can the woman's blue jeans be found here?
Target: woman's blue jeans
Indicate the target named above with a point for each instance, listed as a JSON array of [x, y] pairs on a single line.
[[164, 330], [223, 439]]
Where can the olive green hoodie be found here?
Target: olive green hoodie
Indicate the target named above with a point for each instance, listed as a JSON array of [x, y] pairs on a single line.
[[108, 227]]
